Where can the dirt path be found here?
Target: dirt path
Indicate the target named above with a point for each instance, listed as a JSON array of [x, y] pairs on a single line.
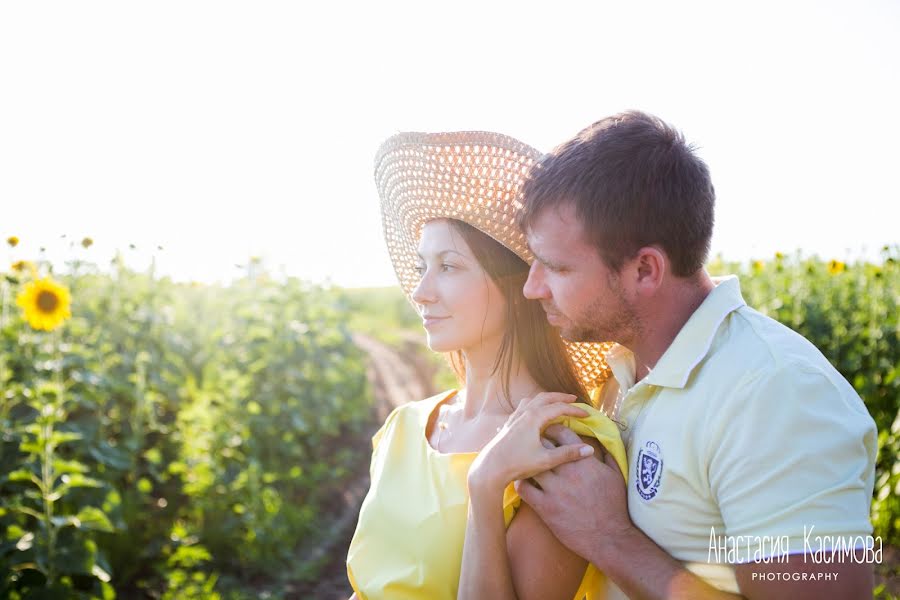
[[396, 379]]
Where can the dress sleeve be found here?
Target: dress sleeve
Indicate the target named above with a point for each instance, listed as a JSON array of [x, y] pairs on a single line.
[[376, 439], [802, 459]]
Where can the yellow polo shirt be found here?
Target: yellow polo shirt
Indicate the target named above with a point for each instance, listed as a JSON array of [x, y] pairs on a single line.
[[743, 442]]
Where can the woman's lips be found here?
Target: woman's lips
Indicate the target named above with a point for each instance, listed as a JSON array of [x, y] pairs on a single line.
[[432, 321]]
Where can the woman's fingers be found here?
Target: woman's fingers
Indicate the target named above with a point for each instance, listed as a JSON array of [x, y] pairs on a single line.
[[545, 398], [545, 414], [567, 453]]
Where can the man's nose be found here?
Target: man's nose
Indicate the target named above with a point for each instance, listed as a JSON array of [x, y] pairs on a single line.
[[534, 288]]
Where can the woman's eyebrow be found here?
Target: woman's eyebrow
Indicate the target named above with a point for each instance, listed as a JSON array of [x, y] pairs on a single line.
[[441, 254]]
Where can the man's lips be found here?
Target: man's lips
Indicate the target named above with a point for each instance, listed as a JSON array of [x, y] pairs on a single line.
[[552, 316]]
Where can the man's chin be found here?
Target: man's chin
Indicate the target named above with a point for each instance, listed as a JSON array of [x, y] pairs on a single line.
[[581, 336]]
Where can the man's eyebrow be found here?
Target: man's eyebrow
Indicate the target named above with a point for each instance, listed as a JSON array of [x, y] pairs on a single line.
[[441, 254], [544, 261], [537, 256]]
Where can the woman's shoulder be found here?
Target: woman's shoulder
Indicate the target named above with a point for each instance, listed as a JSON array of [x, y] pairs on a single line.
[[424, 406], [416, 411]]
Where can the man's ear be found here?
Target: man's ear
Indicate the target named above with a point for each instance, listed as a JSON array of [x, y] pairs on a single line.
[[651, 265]]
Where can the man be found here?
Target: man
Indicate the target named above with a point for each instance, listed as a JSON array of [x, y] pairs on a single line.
[[750, 457]]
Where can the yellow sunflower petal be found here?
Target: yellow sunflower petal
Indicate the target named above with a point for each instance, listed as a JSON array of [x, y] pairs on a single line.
[[45, 303]]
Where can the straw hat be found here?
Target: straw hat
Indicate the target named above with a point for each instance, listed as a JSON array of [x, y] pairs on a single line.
[[473, 176]]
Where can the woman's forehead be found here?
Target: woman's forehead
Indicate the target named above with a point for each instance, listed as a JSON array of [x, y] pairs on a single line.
[[438, 236]]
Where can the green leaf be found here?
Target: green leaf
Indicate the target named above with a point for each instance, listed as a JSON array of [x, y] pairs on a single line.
[[61, 466], [20, 475], [31, 448], [61, 437], [93, 518], [23, 475], [110, 456], [26, 511], [79, 480]]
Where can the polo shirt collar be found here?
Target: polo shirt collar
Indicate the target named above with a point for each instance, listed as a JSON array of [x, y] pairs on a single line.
[[689, 347], [693, 342]]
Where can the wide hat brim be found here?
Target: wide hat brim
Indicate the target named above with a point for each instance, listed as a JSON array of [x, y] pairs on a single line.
[[473, 176]]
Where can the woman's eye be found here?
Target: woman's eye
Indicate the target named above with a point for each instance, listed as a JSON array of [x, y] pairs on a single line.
[[446, 267], [419, 270]]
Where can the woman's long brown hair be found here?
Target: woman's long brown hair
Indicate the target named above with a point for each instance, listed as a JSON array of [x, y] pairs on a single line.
[[528, 334]]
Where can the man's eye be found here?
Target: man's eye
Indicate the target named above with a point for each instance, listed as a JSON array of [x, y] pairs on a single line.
[[556, 269]]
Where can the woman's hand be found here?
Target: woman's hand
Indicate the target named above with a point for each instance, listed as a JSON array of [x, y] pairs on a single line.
[[518, 451]]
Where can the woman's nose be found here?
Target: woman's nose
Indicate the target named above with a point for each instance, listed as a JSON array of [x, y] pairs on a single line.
[[422, 293]]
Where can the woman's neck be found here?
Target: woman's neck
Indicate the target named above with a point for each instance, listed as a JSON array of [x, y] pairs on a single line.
[[484, 395]]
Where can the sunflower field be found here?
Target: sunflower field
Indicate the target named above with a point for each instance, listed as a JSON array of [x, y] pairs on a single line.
[[164, 440], [174, 440]]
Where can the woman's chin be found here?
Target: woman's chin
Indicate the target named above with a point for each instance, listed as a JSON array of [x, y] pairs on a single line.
[[437, 344]]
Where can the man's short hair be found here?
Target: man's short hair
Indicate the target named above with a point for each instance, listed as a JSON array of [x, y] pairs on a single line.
[[634, 182]]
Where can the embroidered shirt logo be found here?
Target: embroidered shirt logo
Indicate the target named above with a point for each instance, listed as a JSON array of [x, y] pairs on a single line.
[[649, 470]]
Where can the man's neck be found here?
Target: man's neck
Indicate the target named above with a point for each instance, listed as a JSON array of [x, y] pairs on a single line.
[[663, 321]]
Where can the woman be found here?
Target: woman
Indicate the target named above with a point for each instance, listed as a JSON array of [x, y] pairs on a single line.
[[448, 205]]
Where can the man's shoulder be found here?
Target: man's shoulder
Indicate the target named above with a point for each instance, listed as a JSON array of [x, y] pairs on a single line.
[[758, 345], [764, 356]]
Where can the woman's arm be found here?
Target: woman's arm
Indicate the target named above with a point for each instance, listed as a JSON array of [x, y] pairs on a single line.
[[486, 571], [526, 561]]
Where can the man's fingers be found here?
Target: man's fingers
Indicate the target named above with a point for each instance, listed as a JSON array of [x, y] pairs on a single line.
[[547, 443], [544, 479], [561, 434], [529, 493]]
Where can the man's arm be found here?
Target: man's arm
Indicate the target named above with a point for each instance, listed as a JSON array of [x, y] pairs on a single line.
[[605, 535], [800, 579], [768, 454]]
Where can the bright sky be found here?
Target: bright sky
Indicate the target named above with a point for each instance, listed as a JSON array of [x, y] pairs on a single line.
[[221, 130]]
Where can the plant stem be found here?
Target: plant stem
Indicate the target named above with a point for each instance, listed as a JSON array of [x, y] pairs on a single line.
[[4, 407], [47, 472]]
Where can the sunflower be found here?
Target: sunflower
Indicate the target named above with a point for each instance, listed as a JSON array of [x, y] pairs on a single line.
[[13, 241], [45, 303], [835, 267], [20, 266]]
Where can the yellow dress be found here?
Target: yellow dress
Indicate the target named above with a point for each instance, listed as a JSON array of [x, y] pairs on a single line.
[[408, 542]]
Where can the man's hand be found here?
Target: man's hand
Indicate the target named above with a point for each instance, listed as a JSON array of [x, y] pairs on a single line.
[[563, 492]]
